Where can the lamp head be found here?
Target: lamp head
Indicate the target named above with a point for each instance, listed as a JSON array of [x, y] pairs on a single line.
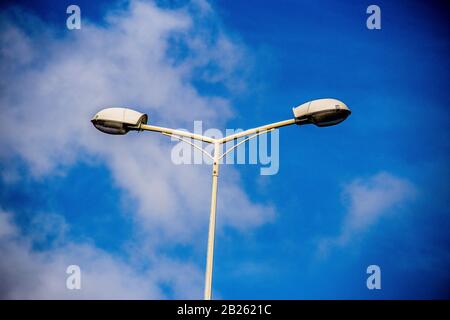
[[118, 120], [321, 112]]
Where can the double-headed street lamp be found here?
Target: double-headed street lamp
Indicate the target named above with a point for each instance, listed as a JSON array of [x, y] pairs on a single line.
[[118, 121]]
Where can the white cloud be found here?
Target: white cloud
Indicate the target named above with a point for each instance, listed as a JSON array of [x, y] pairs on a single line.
[[53, 82], [368, 201], [47, 104], [7, 228], [371, 198], [26, 273]]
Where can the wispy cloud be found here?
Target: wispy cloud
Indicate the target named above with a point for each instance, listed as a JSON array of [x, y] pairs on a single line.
[[27, 273], [54, 81], [368, 200], [126, 63]]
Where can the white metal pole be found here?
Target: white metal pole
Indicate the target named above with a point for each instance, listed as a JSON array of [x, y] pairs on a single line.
[[215, 174], [212, 224]]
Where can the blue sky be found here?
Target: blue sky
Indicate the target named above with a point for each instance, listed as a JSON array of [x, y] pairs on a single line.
[[372, 190]]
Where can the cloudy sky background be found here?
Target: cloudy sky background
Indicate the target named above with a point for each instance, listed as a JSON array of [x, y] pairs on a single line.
[[370, 191]]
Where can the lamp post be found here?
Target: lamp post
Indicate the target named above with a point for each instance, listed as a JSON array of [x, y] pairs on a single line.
[[119, 121]]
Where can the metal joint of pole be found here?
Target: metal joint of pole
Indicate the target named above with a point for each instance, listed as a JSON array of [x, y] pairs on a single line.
[[216, 160]]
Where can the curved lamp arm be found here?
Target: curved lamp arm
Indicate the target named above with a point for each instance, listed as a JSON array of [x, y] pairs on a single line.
[[188, 142], [243, 141], [250, 132]]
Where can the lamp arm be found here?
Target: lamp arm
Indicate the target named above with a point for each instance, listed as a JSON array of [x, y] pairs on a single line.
[[181, 133], [188, 142], [264, 128], [175, 132], [243, 141]]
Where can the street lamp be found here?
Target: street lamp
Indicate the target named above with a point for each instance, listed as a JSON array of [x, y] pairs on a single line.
[[119, 121]]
